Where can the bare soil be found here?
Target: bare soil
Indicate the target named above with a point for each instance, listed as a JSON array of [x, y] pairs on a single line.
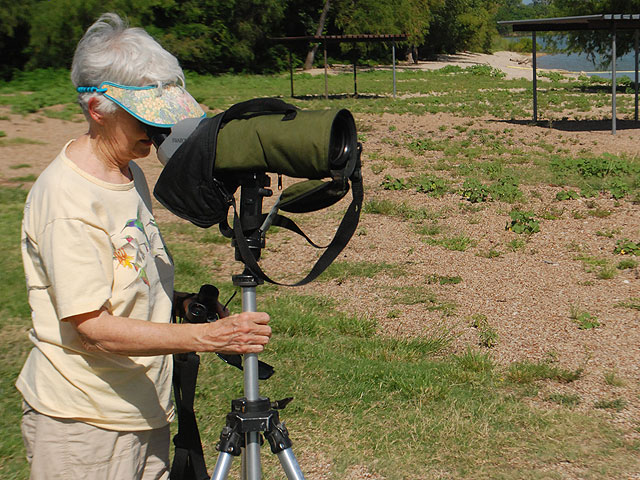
[[527, 296]]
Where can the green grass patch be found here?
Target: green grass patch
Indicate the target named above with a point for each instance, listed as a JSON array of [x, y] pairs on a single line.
[[459, 243], [564, 399], [415, 295], [632, 303], [527, 372], [342, 270], [8, 142]]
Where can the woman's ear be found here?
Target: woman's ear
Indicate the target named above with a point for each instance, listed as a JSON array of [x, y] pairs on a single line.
[[94, 111]]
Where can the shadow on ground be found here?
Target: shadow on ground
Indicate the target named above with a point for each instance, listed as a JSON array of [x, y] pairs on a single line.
[[577, 125]]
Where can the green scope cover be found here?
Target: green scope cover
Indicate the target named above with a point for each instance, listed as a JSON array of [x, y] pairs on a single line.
[[296, 147]]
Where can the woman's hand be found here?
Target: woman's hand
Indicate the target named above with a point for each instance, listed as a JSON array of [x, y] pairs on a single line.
[[247, 332]]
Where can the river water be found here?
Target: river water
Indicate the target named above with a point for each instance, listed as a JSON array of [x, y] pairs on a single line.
[[579, 63], [574, 62]]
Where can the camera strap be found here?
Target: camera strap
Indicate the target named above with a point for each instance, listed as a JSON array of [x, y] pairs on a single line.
[[188, 461], [342, 236]]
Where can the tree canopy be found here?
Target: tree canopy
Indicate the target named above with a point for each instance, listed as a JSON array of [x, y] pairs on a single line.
[[217, 36]]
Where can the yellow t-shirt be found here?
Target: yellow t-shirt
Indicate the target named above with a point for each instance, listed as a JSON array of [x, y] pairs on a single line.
[[87, 244]]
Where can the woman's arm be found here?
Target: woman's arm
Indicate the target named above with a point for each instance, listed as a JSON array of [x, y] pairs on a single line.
[[247, 332]]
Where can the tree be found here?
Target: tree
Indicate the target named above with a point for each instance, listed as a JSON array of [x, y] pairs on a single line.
[[308, 63], [517, 10], [462, 25], [597, 43], [14, 35]]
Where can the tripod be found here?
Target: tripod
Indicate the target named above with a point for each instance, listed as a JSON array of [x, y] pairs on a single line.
[[252, 415]]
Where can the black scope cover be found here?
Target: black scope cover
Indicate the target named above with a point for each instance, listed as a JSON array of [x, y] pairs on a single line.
[[187, 187]]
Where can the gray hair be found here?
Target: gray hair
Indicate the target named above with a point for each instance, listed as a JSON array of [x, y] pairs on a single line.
[[111, 51]]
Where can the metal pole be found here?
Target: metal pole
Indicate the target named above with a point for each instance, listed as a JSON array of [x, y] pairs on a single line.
[[291, 72], [355, 79], [393, 54], [635, 38], [535, 77], [251, 391], [326, 81], [613, 80]]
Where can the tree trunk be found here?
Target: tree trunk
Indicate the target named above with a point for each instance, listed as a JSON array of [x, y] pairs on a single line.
[[308, 63]]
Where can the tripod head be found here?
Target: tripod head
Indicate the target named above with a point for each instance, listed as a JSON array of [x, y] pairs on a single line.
[[253, 189]]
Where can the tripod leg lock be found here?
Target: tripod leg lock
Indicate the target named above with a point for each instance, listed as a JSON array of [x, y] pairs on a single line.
[[278, 438], [231, 441]]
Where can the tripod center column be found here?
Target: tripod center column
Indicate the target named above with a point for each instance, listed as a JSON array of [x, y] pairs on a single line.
[[251, 388]]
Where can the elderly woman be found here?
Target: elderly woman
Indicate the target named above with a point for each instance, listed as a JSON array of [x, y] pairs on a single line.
[[97, 385]]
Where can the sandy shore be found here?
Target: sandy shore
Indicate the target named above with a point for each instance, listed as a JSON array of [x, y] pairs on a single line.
[[513, 64]]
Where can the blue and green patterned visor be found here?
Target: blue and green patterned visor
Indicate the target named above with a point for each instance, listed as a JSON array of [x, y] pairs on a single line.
[[156, 105]]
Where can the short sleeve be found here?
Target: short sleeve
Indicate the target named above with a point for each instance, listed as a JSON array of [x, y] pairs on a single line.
[[77, 258]]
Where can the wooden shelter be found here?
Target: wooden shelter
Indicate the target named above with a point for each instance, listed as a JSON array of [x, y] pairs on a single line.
[[607, 22], [325, 39]]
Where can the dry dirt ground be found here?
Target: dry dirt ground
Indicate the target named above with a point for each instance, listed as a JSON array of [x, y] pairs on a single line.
[[527, 296]]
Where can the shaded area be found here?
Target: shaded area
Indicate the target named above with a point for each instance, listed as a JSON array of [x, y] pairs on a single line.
[[574, 125]]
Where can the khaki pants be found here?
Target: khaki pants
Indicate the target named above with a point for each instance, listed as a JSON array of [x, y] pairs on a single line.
[[67, 449]]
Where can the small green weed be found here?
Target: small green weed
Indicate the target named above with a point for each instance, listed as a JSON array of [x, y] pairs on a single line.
[[627, 247], [487, 335], [443, 280], [611, 378], [378, 168], [516, 245], [506, 189], [632, 303], [522, 222], [567, 195], [491, 253], [431, 185], [617, 404], [25, 178], [458, 243], [585, 320], [599, 212], [607, 272], [626, 264], [430, 229], [567, 400], [608, 233], [551, 213], [474, 191], [391, 183], [422, 145], [19, 141]]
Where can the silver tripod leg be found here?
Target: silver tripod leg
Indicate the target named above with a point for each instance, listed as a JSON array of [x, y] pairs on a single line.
[[290, 465], [222, 466]]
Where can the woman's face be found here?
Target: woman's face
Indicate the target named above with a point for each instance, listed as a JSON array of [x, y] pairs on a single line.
[[124, 138]]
